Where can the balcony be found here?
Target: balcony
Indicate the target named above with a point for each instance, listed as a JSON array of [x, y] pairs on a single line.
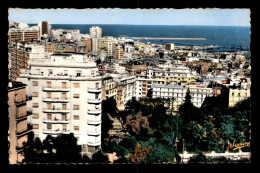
[[62, 89], [94, 121], [94, 143], [96, 101], [55, 131], [94, 133], [94, 90], [23, 131], [56, 100], [56, 121], [56, 110], [94, 111], [20, 117], [18, 102]]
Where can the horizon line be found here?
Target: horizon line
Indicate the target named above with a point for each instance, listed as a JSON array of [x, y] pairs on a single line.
[[138, 24]]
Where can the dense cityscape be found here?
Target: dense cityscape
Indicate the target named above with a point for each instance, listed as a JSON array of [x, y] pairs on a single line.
[[90, 98]]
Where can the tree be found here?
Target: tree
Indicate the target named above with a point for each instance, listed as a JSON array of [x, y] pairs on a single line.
[[67, 149], [193, 135], [34, 152], [99, 157], [132, 106], [137, 123], [108, 108], [140, 152], [189, 112], [150, 93]]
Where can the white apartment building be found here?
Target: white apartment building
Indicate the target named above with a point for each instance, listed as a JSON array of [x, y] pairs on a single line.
[[142, 86], [198, 94], [66, 98], [105, 45], [95, 32]]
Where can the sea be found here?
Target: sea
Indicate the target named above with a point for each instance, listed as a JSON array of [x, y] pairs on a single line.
[[226, 38]]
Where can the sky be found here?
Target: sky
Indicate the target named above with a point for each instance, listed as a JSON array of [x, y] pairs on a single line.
[[208, 17]]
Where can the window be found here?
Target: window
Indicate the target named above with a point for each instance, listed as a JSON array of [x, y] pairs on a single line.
[[65, 73], [35, 116], [76, 117], [35, 83], [48, 95], [96, 96], [48, 105], [35, 105], [233, 94], [97, 85], [48, 84], [76, 128], [64, 106], [238, 94], [49, 126], [63, 95], [76, 85], [64, 117], [49, 116], [64, 85], [76, 96], [64, 127], [35, 126], [75, 107], [35, 94]]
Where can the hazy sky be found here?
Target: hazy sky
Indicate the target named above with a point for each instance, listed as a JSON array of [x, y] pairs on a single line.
[[217, 17]]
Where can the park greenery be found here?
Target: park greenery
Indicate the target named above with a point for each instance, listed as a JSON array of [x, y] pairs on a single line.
[[154, 134], [192, 129]]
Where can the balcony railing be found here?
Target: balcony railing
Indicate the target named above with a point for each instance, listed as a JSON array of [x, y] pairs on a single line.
[[56, 99], [96, 132], [20, 101], [94, 90], [56, 121], [94, 100], [94, 143], [94, 111], [94, 121], [46, 88], [61, 110], [55, 131]]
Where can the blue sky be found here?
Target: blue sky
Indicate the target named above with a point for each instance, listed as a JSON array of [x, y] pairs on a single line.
[[213, 17]]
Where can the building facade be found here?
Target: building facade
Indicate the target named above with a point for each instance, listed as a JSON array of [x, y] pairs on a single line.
[[18, 128], [66, 98]]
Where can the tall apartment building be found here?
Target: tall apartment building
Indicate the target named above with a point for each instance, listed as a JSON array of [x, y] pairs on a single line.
[[142, 86], [109, 88], [18, 59], [118, 53], [88, 45], [23, 35], [18, 128], [125, 89], [179, 75], [104, 45], [198, 94], [95, 32], [66, 98], [45, 28]]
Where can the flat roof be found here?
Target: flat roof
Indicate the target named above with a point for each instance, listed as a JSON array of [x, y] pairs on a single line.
[[168, 86]]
